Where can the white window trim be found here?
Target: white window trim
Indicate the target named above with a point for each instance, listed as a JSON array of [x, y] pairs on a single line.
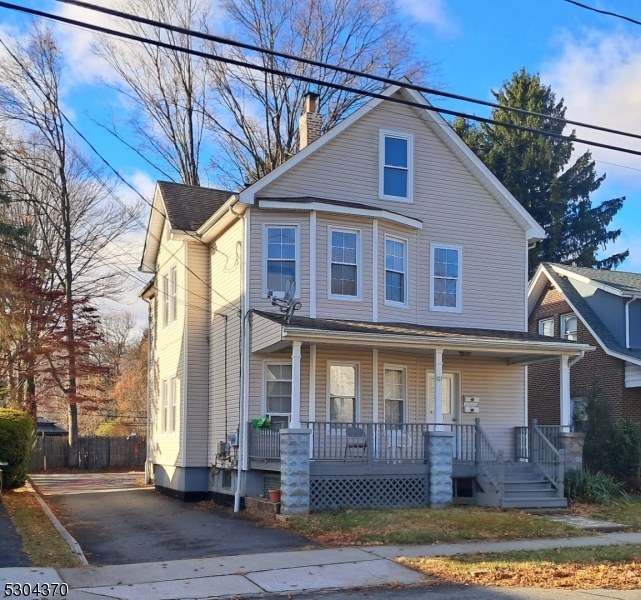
[[164, 293], [267, 362], [164, 410], [298, 255], [406, 241], [173, 294], [459, 283], [173, 404], [338, 363], [546, 320], [382, 134], [405, 391], [563, 318], [359, 263]]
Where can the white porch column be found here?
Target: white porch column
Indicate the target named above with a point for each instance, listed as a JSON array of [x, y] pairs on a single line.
[[438, 388], [375, 385], [566, 408], [295, 421], [312, 382]]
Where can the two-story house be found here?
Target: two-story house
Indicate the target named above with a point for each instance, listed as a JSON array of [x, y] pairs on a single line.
[[405, 260], [597, 307]]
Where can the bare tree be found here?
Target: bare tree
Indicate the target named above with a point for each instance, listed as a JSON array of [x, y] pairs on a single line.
[[68, 198], [164, 89], [257, 114]]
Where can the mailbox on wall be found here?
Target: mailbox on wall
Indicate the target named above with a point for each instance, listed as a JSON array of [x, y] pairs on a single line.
[[471, 404]]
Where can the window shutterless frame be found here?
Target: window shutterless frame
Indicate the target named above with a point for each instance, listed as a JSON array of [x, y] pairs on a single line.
[[445, 279], [345, 261], [278, 414], [173, 294], [164, 392], [392, 394], [165, 300], [357, 404], [265, 233], [396, 267], [566, 332], [173, 409], [391, 167], [546, 327]]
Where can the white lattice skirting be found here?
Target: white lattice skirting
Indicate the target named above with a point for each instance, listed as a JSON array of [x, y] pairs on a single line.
[[353, 491]]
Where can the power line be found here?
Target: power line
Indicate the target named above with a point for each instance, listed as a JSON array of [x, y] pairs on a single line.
[[312, 80], [117, 173], [337, 68], [596, 10]]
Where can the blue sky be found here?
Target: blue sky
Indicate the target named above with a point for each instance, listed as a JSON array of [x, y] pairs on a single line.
[[593, 61]]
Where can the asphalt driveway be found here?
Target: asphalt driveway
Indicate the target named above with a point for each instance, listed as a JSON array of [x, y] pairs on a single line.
[[117, 521]]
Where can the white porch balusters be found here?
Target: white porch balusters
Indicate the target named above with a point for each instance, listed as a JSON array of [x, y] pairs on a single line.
[[566, 408], [295, 420], [438, 389]]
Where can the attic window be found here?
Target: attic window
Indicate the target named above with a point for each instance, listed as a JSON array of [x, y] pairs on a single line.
[[569, 327], [395, 166]]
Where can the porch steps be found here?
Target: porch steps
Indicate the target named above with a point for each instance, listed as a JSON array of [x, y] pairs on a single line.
[[525, 488]]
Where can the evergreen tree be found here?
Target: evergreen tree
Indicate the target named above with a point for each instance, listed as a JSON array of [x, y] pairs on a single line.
[[536, 170]]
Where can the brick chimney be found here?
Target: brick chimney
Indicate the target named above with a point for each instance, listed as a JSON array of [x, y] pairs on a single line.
[[309, 124]]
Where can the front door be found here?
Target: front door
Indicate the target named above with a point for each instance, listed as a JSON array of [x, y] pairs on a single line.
[[450, 404]]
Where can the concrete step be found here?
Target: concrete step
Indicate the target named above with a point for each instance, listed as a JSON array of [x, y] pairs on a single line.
[[531, 503]]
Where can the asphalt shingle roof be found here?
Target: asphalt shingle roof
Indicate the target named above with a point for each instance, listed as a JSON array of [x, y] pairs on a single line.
[[629, 283], [340, 325], [189, 206], [588, 315]]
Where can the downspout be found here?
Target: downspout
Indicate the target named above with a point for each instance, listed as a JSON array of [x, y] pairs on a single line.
[[627, 320], [576, 359], [149, 367]]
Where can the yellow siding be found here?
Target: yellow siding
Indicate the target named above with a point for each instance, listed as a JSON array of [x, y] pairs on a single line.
[[453, 205]]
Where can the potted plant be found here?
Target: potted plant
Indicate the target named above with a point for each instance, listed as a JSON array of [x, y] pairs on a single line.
[[274, 496], [261, 423]]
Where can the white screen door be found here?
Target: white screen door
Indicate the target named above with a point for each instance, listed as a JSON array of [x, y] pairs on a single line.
[[450, 412]]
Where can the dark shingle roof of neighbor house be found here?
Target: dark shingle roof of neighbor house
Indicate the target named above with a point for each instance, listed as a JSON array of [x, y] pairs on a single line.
[[189, 206], [628, 283], [340, 325], [587, 314], [47, 427]]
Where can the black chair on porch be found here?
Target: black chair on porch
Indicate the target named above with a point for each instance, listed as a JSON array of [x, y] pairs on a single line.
[[355, 440]]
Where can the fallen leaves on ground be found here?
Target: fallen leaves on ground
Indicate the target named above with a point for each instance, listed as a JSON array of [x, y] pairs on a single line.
[[619, 575]]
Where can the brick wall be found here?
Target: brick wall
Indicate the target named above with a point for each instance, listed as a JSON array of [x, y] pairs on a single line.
[[597, 370]]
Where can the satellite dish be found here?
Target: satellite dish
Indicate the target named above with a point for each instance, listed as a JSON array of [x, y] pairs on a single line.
[[287, 304]]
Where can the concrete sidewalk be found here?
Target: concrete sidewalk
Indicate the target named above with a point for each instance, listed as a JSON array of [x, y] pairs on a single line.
[[280, 572]]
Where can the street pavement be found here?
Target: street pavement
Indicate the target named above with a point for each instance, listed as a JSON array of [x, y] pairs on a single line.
[[11, 553], [117, 521]]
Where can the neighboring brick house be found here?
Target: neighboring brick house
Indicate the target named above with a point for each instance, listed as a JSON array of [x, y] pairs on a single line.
[[596, 307]]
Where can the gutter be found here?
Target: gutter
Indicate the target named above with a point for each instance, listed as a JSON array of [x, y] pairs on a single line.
[[627, 320], [576, 359]]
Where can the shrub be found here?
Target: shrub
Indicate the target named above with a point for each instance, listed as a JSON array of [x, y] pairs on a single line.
[[16, 434], [595, 487]]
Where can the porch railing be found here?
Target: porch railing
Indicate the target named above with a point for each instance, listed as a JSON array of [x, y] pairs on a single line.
[[263, 442], [358, 442], [464, 446], [489, 461], [522, 442], [547, 458]]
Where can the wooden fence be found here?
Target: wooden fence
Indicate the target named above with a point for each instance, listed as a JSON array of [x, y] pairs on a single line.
[[94, 452]]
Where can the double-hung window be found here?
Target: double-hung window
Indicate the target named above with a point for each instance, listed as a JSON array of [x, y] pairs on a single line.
[[173, 294], [343, 384], [395, 271], [164, 410], [173, 409], [344, 263], [569, 327], [446, 278], [165, 300], [278, 392], [281, 258], [546, 327], [395, 389], [395, 166]]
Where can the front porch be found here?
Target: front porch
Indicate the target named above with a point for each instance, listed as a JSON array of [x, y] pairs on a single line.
[[374, 465]]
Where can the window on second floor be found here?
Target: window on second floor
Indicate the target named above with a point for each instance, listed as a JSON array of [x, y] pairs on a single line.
[[173, 294], [344, 264], [395, 166], [165, 300], [546, 327], [569, 324], [281, 256], [395, 271], [446, 278]]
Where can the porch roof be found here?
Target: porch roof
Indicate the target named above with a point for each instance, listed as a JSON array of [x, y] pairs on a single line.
[[271, 333]]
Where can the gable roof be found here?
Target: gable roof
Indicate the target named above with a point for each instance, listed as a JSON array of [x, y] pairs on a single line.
[[443, 130], [556, 275], [620, 282], [189, 206]]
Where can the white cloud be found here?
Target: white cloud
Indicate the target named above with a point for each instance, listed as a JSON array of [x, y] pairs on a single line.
[[599, 76], [430, 12]]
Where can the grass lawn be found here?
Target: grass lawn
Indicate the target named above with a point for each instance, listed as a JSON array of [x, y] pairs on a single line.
[[607, 567], [426, 526], [624, 513], [40, 540]]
